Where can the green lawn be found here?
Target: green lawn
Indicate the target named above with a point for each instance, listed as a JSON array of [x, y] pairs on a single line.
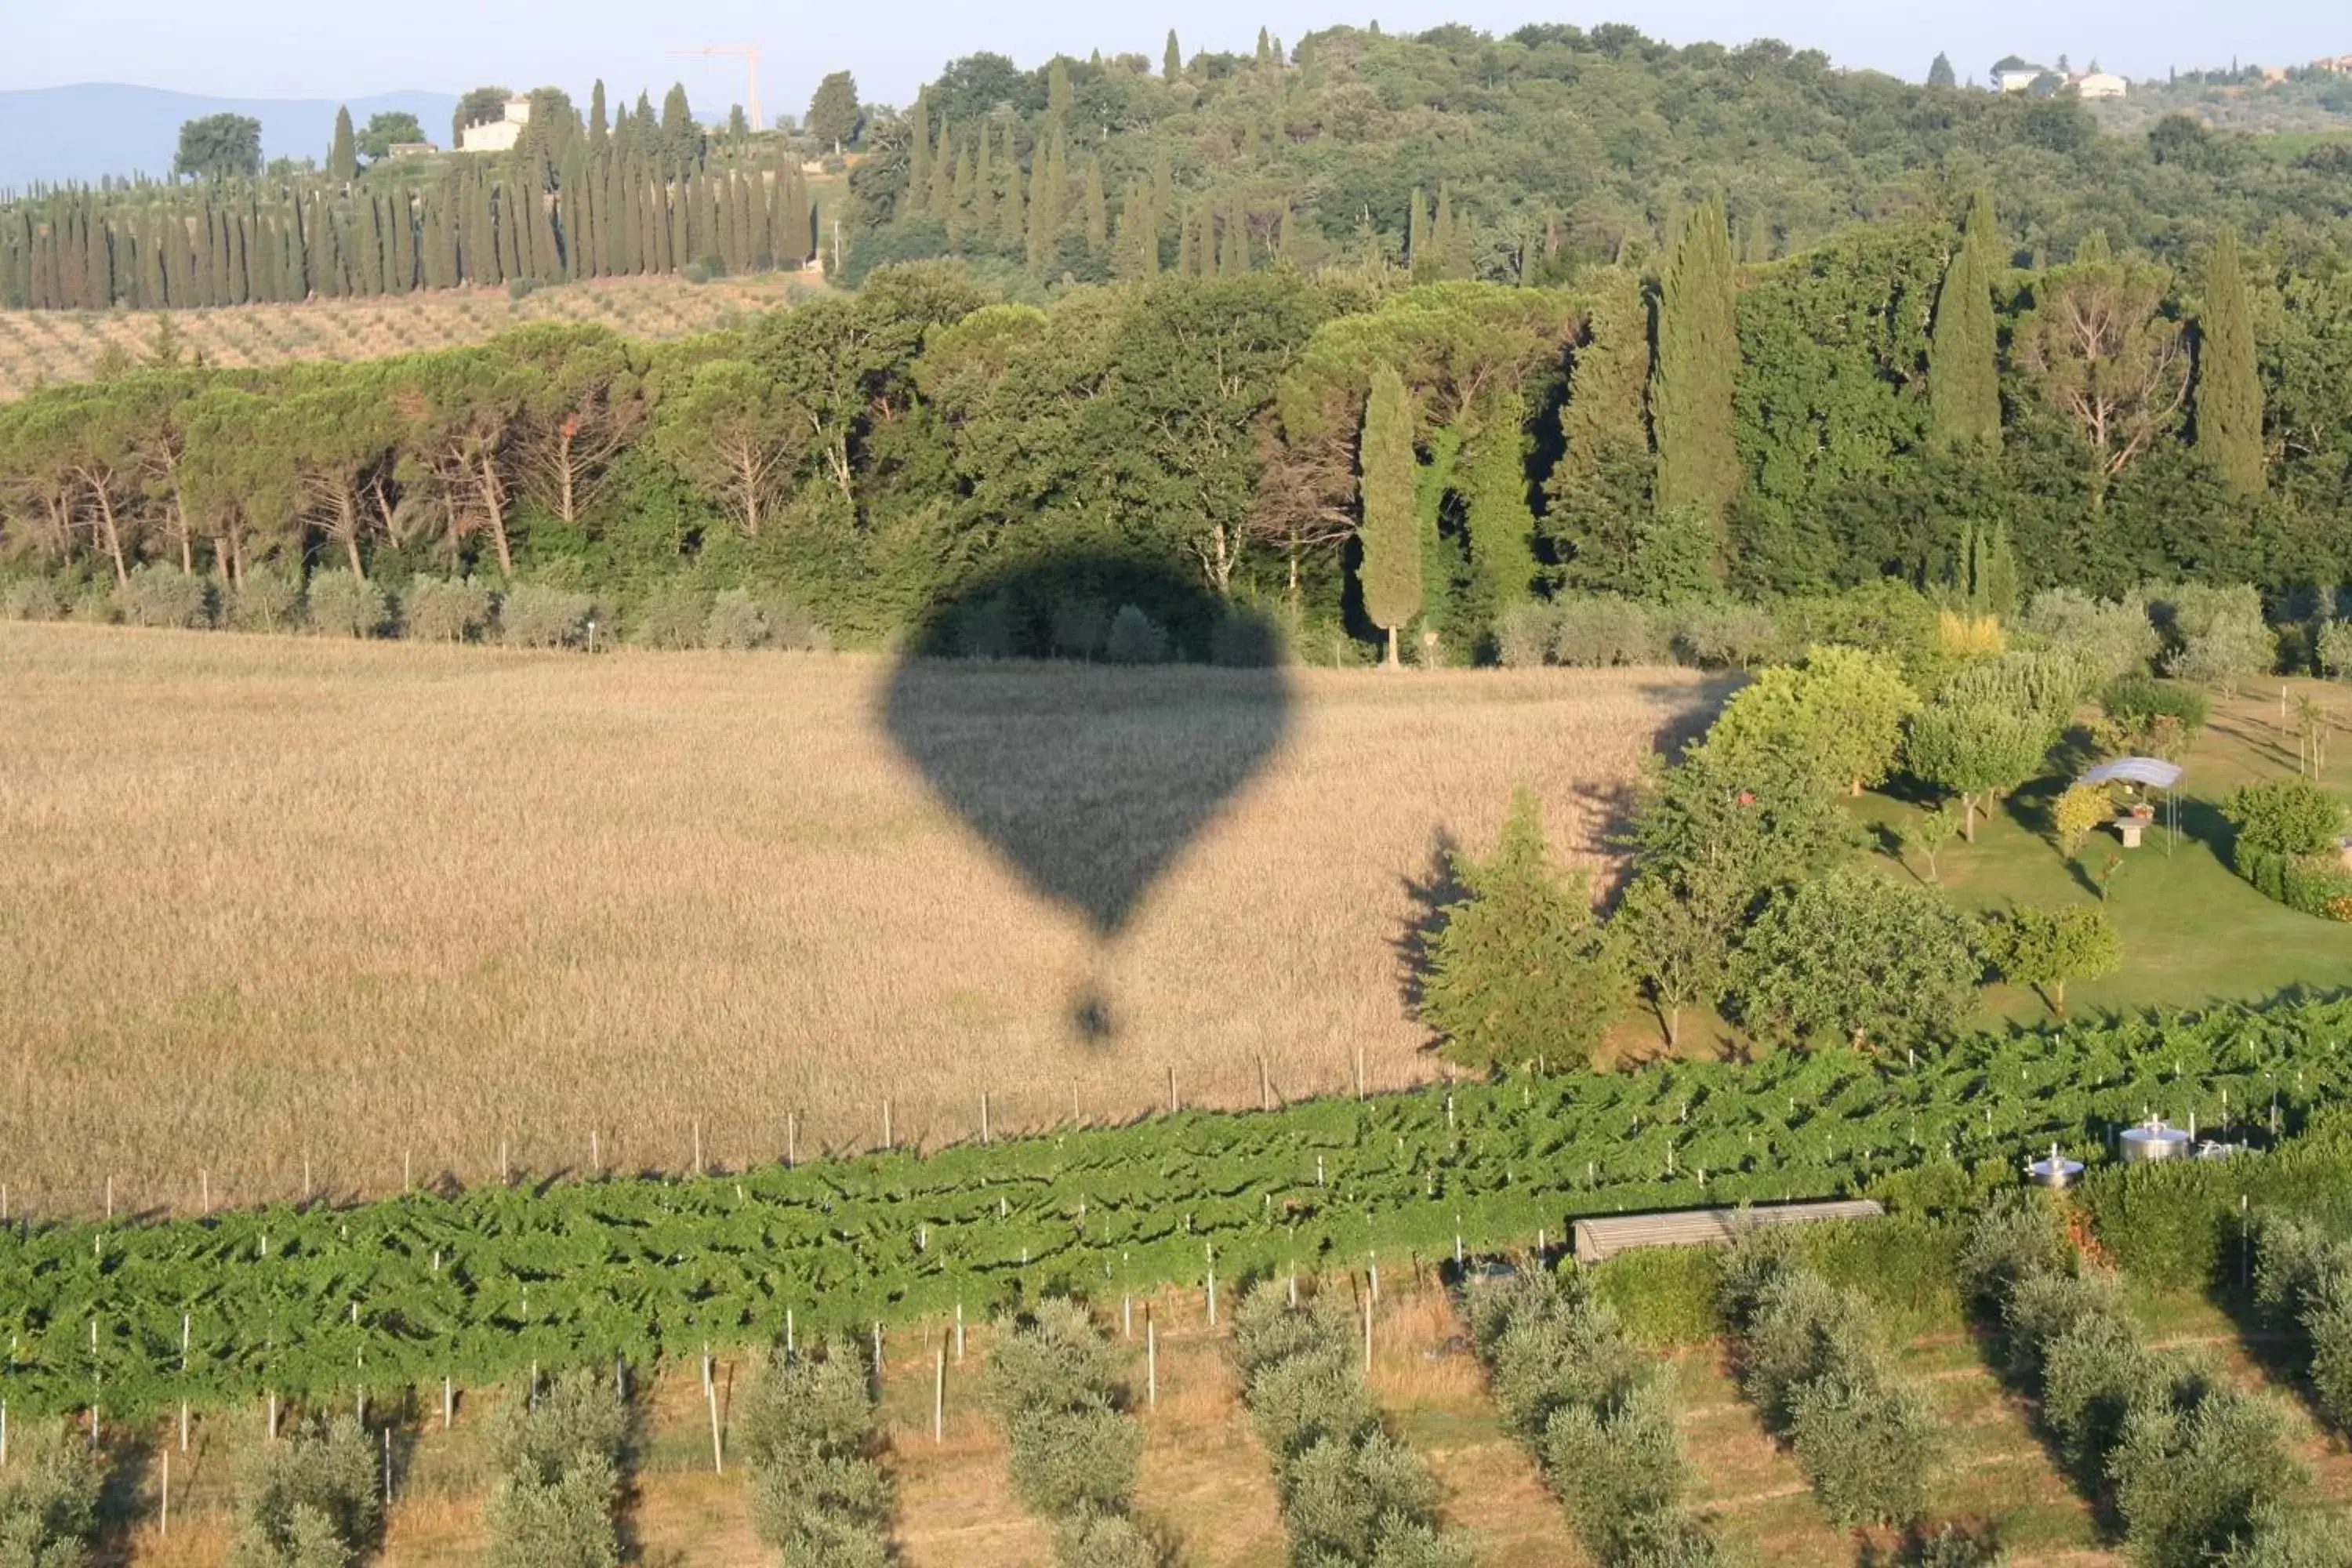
[[2193, 933]]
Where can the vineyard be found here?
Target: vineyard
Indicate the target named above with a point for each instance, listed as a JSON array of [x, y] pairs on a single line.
[[485, 1283], [40, 347]]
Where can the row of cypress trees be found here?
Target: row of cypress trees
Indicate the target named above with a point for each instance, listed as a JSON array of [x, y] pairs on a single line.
[[593, 215]]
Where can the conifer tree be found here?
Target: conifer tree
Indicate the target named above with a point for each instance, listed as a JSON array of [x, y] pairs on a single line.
[[1097, 209], [1011, 213], [1057, 88], [2229, 384], [1697, 357], [1040, 237], [1454, 238], [984, 189], [1418, 253], [1264, 49], [1941, 74], [1232, 254], [941, 201], [919, 151], [960, 205], [343, 153], [599, 130], [1171, 59], [1495, 502], [1963, 381], [681, 137], [1390, 529]]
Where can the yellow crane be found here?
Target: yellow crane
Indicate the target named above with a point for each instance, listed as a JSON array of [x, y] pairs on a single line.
[[750, 55]]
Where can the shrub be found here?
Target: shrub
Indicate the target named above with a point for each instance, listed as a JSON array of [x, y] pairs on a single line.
[[1052, 1383], [1733, 636], [673, 617], [1244, 639], [342, 606], [2285, 816], [519, 288], [159, 595], [2079, 811], [2195, 1474], [2335, 648], [32, 599], [1521, 968], [736, 621], [48, 1500], [1524, 635], [1598, 1416], [986, 628], [2117, 639], [267, 600], [2045, 948], [1809, 1362], [2308, 1274], [2217, 636], [1594, 633], [1078, 627], [312, 1498], [531, 615], [1134, 638], [818, 1496], [560, 1455], [445, 609], [1350, 1493], [2140, 706], [794, 629]]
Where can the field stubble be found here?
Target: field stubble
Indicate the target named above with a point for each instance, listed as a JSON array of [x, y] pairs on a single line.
[[282, 916]]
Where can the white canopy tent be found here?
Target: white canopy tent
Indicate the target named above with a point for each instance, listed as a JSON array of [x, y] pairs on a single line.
[[2150, 773]]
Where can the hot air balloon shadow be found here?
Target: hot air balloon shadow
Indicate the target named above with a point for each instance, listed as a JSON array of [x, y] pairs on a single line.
[[1030, 703]]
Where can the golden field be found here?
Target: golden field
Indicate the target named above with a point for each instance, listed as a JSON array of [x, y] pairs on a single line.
[[283, 914], [41, 346]]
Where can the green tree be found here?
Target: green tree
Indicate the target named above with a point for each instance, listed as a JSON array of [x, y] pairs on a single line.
[[735, 435], [1940, 74], [1521, 969], [1171, 59], [2099, 350], [1963, 380], [219, 147], [1859, 958], [1978, 750], [681, 138], [389, 129], [1389, 532], [343, 153], [1679, 946], [2044, 948], [1838, 718], [1697, 357], [835, 114], [2229, 381]]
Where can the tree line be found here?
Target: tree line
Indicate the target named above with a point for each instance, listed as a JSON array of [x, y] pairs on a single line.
[[578, 198], [1360, 456]]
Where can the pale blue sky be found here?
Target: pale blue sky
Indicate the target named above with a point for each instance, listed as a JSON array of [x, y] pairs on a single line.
[[309, 50]]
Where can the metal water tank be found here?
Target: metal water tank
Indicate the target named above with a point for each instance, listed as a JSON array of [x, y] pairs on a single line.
[[2055, 1171], [2152, 1141]]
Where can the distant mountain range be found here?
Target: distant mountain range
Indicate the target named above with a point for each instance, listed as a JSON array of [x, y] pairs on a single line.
[[55, 134]]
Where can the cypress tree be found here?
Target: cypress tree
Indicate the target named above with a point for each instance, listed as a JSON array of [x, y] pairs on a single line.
[[681, 138], [1171, 59], [1012, 217], [208, 289], [939, 201], [151, 293], [1187, 264], [1057, 89], [1097, 209], [1232, 255], [1419, 256], [2229, 385], [984, 190], [1963, 381], [1495, 502], [1699, 355], [918, 148], [1389, 530], [961, 204], [1455, 258], [707, 243], [1440, 234], [1040, 212], [97, 265], [343, 154], [1940, 73], [598, 134]]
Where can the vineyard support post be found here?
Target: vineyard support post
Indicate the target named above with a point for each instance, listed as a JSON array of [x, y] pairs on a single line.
[[1172, 1090], [448, 1402], [789, 1346], [183, 1425], [877, 1349], [718, 1456], [273, 1416], [3, 1434], [163, 1502], [1368, 1334], [983, 1118], [387, 1467], [939, 1395], [1127, 1316], [959, 1333], [1151, 1360]]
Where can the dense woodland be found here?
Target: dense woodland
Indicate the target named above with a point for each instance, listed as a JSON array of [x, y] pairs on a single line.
[[1393, 335]]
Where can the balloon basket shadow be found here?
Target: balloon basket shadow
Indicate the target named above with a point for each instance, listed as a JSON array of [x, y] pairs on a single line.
[[1090, 1015]]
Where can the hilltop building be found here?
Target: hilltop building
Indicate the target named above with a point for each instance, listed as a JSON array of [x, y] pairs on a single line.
[[2099, 84], [2015, 74], [498, 135]]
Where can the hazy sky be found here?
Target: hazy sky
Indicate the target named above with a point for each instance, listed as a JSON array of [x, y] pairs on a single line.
[[304, 49]]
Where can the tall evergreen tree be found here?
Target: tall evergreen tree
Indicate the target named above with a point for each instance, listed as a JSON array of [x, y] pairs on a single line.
[[1698, 359], [1390, 529], [1097, 209], [343, 153], [1495, 505], [1234, 250], [1011, 214], [681, 137], [2229, 383], [919, 151], [1057, 88], [1963, 381], [1941, 74], [1171, 59], [599, 128], [984, 189], [1420, 255]]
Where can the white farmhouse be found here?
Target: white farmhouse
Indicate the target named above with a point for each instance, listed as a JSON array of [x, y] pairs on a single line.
[[2098, 84], [498, 135], [2015, 75]]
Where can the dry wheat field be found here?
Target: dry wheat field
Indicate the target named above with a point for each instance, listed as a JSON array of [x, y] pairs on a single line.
[[285, 915], [41, 346]]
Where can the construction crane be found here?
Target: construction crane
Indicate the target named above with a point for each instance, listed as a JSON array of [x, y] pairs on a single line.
[[750, 55]]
